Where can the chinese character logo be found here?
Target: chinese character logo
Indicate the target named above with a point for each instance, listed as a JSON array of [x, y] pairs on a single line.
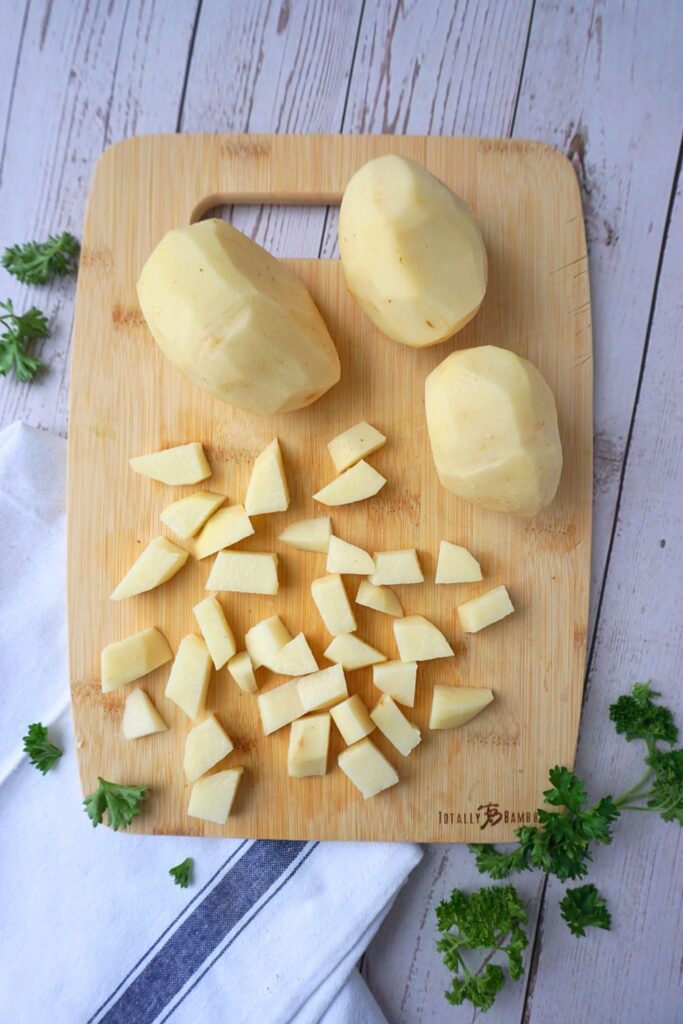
[[492, 814]]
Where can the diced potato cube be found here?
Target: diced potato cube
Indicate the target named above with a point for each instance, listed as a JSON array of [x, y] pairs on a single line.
[[322, 689], [160, 560], [391, 721], [244, 572], [456, 565], [187, 516], [397, 678], [381, 599], [129, 659], [356, 484], [214, 628], [352, 718], [345, 557], [330, 599], [308, 534], [140, 717], [485, 610], [267, 490], [455, 705], [280, 706], [189, 678], [227, 526], [397, 567], [367, 768], [350, 652], [213, 796], [354, 444], [309, 741], [205, 745], [266, 638], [242, 671], [185, 464], [294, 659], [418, 639]]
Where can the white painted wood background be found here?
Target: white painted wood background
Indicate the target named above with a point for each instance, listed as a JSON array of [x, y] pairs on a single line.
[[603, 81]]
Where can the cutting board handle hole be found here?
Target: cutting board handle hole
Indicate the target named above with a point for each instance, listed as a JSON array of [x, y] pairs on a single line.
[[288, 232]]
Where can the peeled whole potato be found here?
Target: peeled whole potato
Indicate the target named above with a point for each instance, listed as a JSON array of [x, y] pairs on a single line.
[[235, 321], [412, 254], [492, 425]]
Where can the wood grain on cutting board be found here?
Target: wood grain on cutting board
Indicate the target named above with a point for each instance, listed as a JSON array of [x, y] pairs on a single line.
[[127, 399]]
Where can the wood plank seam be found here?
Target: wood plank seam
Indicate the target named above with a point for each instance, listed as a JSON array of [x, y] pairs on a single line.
[[13, 87], [188, 66]]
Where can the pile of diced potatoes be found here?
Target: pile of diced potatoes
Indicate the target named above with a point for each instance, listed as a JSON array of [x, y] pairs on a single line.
[[315, 699]]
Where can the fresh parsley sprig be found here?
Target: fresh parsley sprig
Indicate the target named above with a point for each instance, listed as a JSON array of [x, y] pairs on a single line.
[[38, 262], [42, 754], [489, 919], [560, 843], [583, 908], [18, 331], [181, 872], [122, 803]]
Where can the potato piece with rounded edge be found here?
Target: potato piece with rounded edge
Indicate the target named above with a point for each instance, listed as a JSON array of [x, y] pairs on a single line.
[[267, 490], [397, 567], [157, 564], [217, 634], [484, 610], [140, 717], [455, 705], [212, 797], [264, 639], [225, 527], [329, 597], [294, 659], [354, 444], [343, 557], [187, 516], [205, 745], [412, 254], [456, 565], [492, 424], [280, 706], [189, 677], [356, 484], [126, 660], [236, 321], [352, 718], [244, 572], [418, 639], [393, 724], [322, 689], [309, 534], [184, 464], [398, 679], [309, 740], [367, 768], [380, 598], [350, 652], [242, 671]]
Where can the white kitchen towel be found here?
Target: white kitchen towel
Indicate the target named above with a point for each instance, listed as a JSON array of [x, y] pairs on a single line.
[[94, 929]]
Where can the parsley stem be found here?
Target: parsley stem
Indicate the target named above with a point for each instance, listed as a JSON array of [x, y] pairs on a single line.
[[620, 801]]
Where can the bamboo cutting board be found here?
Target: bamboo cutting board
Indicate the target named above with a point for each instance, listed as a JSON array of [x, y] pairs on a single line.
[[476, 783]]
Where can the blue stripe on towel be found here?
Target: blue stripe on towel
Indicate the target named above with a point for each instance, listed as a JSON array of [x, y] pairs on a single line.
[[198, 936]]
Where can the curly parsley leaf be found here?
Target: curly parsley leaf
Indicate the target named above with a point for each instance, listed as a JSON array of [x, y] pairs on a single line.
[[666, 794], [120, 802], [181, 872], [17, 331], [583, 908], [637, 717], [41, 753], [489, 919], [38, 262]]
